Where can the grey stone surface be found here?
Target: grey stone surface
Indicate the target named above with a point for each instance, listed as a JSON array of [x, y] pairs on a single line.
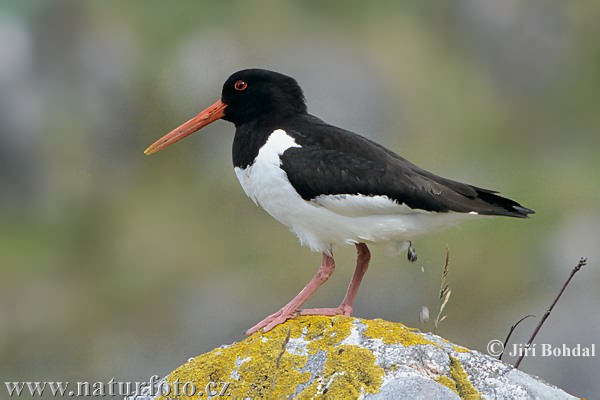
[[413, 387], [401, 363]]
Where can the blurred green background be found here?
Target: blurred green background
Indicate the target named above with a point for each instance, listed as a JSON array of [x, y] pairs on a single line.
[[114, 264]]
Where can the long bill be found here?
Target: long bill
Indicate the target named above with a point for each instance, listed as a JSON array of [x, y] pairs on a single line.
[[207, 116]]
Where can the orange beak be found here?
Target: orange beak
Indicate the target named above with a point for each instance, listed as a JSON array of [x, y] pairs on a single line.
[[211, 114]]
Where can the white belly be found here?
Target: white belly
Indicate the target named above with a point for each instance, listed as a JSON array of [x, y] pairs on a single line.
[[337, 219]]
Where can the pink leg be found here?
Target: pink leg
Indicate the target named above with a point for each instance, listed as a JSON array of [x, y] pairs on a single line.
[[363, 256], [290, 310]]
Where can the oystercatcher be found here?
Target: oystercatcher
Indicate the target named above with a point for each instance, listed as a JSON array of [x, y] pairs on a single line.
[[328, 185]]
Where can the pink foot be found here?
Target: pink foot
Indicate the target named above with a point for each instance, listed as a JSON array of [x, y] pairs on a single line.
[[273, 320], [343, 309]]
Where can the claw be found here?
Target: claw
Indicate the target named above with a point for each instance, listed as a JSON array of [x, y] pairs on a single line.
[[272, 321]]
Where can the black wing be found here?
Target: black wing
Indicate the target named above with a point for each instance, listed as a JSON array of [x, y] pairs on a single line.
[[346, 163]]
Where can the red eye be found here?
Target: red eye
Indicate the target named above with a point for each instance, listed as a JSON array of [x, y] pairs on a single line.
[[240, 85]]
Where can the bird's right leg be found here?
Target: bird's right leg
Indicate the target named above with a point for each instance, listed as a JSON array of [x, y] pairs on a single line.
[[363, 256], [290, 310]]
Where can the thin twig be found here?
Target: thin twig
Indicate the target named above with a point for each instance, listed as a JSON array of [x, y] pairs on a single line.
[[445, 292], [582, 263], [512, 328], [279, 356]]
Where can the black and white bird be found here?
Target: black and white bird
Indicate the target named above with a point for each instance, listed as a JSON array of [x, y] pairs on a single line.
[[330, 186]]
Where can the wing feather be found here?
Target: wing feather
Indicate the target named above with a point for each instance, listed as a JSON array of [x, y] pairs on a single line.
[[321, 175]]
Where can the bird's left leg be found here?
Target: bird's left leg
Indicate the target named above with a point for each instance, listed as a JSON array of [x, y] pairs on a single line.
[[290, 310], [363, 256]]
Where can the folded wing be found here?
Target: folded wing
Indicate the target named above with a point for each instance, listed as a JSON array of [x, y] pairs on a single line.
[[350, 184]]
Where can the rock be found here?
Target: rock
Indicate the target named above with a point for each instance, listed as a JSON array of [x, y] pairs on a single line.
[[343, 357]]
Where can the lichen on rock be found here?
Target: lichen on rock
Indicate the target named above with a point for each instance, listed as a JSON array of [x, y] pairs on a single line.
[[344, 357], [274, 364]]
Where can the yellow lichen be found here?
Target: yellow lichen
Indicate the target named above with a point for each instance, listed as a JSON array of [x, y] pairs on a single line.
[[349, 372], [260, 366], [394, 333], [464, 388], [458, 381], [460, 349], [324, 332], [257, 358], [444, 380]]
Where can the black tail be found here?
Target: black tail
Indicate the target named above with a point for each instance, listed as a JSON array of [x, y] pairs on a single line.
[[502, 205]]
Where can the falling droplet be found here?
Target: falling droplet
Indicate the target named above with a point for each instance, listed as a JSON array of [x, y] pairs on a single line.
[[424, 314]]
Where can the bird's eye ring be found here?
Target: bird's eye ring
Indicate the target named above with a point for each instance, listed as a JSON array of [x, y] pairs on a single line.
[[240, 85]]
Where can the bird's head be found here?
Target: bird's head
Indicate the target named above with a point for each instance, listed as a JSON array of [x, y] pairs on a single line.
[[247, 96]]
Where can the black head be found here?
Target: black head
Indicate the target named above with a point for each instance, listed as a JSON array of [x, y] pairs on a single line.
[[259, 94], [250, 95]]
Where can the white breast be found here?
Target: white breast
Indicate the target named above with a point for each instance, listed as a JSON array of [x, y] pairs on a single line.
[[265, 178], [334, 219]]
